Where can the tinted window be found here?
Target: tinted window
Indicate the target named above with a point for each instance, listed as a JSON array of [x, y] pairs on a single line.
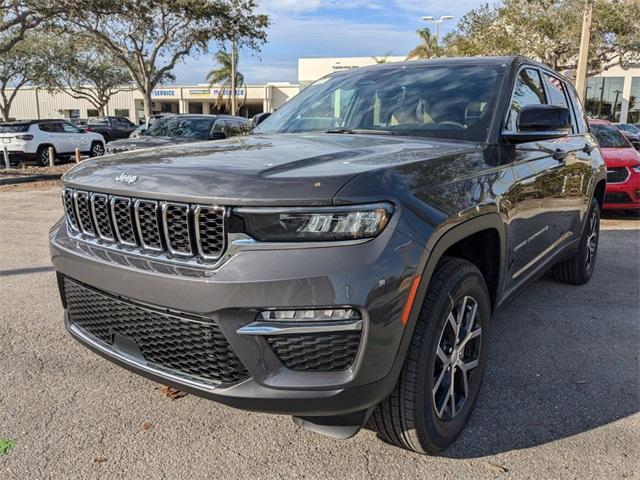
[[68, 128], [558, 94], [199, 128], [528, 90], [51, 127], [581, 117], [15, 128], [625, 127], [233, 128], [609, 136], [98, 121], [218, 126], [454, 101]]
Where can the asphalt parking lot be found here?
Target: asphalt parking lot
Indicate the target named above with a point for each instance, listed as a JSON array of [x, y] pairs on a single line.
[[561, 397]]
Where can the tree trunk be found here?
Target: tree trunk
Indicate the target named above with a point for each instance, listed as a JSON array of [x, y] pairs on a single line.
[[5, 113], [146, 98], [102, 110]]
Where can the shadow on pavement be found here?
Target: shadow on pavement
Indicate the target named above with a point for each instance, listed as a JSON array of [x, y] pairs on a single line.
[[563, 359]]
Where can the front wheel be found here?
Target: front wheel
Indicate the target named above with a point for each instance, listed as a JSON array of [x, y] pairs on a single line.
[[445, 364], [577, 270]]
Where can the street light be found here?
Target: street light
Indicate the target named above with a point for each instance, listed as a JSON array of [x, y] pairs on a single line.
[[433, 19]]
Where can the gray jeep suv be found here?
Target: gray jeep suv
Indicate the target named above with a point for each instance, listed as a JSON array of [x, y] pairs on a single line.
[[340, 265]]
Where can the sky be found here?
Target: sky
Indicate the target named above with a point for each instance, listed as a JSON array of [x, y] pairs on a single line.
[[331, 28]]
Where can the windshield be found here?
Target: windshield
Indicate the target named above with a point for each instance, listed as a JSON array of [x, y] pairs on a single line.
[[609, 136], [181, 127], [14, 128], [432, 101], [628, 128]]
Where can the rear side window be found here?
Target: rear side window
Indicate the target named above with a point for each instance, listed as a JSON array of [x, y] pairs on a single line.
[[528, 90], [14, 128], [558, 95], [51, 127]]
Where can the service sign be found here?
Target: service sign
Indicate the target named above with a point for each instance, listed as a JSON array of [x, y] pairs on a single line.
[[227, 92], [163, 93]]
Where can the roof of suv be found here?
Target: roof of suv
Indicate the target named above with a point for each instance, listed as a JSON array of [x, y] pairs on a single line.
[[34, 122]]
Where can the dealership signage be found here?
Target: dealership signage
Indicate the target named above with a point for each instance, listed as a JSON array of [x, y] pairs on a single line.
[[200, 91], [163, 93], [227, 92]]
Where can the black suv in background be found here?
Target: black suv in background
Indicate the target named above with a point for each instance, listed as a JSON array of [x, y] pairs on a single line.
[[111, 128], [343, 262], [176, 129]]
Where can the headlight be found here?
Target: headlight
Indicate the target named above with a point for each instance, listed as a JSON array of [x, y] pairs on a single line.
[[316, 223]]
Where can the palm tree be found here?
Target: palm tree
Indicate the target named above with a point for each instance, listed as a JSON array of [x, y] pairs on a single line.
[[427, 48], [220, 76], [383, 59]]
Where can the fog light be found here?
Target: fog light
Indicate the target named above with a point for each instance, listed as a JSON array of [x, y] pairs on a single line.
[[309, 315]]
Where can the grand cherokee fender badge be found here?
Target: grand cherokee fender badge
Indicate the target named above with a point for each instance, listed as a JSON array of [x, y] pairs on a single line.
[[124, 178]]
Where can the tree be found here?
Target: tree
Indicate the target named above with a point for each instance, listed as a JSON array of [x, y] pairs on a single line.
[[382, 59], [549, 31], [17, 17], [150, 37], [427, 47], [221, 76], [19, 66], [77, 66]]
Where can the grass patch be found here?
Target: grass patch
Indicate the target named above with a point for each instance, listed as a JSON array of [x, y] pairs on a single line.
[[6, 445]]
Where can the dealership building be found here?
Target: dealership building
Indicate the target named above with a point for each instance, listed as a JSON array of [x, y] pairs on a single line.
[[613, 95]]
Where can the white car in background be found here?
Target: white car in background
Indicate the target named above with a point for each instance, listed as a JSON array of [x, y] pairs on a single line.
[[30, 141]]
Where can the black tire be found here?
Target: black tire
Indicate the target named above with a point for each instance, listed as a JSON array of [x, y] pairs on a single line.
[[577, 270], [43, 156], [97, 149], [411, 417]]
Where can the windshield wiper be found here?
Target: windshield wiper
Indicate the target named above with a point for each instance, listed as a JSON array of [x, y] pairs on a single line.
[[356, 131]]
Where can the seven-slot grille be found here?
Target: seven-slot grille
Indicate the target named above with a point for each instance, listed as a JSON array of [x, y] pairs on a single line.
[[182, 231], [180, 344], [617, 174]]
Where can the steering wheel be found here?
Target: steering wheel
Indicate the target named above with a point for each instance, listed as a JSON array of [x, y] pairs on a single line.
[[454, 124]]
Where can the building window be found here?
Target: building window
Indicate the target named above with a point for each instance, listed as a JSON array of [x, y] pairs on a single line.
[[92, 113], [634, 101], [122, 112], [604, 98]]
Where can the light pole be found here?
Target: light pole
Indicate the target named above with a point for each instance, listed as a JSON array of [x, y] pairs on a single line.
[[583, 56], [437, 21]]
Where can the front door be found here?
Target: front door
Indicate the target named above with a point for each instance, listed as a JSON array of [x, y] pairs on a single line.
[[545, 196]]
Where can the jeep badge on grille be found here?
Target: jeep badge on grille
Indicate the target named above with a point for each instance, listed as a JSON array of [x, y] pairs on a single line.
[[124, 178]]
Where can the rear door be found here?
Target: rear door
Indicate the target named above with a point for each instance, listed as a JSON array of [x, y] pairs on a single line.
[[76, 138], [55, 135], [543, 216]]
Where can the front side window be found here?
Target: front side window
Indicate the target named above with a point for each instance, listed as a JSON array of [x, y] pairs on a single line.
[[528, 90], [439, 101], [558, 94], [609, 136], [68, 128]]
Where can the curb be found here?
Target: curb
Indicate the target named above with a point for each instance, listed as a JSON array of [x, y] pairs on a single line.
[[29, 179]]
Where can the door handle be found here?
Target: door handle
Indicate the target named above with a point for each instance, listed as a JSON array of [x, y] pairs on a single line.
[[559, 155]]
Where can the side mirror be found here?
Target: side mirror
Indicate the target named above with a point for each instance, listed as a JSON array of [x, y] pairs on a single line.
[[540, 122], [259, 118], [217, 136]]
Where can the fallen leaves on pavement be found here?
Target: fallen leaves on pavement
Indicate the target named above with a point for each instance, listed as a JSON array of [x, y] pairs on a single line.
[[100, 459], [171, 393], [494, 467], [6, 445]]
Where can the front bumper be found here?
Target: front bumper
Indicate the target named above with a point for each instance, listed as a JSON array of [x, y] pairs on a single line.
[[372, 277], [623, 196]]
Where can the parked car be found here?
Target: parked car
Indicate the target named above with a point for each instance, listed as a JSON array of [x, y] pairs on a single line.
[[342, 263], [631, 132], [184, 129], [623, 167], [139, 131], [111, 128], [30, 140]]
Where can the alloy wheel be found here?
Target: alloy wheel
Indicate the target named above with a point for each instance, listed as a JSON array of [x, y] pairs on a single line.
[[457, 355], [97, 150]]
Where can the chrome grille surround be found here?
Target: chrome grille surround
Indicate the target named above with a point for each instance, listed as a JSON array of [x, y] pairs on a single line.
[[173, 232], [617, 174], [83, 212]]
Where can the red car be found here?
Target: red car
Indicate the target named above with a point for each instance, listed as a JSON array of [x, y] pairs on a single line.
[[623, 167]]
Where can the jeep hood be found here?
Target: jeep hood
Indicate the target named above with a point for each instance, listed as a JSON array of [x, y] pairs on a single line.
[[277, 169]]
